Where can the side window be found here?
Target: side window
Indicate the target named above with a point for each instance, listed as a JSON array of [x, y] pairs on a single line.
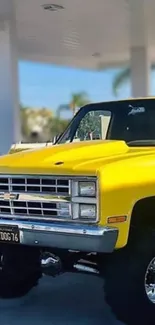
[[93, 126]]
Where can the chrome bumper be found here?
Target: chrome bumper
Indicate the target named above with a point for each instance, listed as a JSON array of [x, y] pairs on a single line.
[[86, 238]]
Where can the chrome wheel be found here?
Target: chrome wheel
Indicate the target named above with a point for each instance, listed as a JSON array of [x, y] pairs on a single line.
[[150, 281]]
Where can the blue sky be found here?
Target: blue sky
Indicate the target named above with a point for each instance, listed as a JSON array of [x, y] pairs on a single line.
[[49, 86], [44, 85]]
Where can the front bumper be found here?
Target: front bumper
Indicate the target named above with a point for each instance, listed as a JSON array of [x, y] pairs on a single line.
[[86, 238]]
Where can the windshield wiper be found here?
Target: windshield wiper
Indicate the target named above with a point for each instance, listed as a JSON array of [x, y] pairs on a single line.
[[142, 143]]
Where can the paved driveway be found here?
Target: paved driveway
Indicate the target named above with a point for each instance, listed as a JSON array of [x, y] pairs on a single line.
[[65, 300]]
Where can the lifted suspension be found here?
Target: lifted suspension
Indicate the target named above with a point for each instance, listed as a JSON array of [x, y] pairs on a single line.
[[59, 262]]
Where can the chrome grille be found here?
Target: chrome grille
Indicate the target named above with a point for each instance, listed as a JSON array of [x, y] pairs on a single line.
[[29, 209], [43, 198], [38, 184], [35, 197]]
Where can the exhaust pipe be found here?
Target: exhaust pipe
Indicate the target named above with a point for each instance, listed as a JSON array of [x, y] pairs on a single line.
[[86, 269]]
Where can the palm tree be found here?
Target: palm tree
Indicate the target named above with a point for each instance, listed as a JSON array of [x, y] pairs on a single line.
[[122, 77], [77, 100], [62, 107]]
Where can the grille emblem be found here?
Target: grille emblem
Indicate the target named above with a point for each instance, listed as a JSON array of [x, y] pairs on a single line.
[[8, 196]]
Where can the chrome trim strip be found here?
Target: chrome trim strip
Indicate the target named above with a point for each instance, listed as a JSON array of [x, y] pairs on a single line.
[[31, 208], [88, 230], [84, 200], [32, 184], [59, 177], [28, 218]]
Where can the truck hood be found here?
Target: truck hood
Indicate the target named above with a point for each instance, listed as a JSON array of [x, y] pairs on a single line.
[[82, 157]]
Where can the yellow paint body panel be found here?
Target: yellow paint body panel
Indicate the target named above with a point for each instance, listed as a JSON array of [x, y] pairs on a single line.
[[125, 174]]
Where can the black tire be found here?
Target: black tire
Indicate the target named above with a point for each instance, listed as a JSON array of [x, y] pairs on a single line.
[[20, 270], [124, 279]]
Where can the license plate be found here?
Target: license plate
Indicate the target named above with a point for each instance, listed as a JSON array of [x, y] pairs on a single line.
[[9, 234]]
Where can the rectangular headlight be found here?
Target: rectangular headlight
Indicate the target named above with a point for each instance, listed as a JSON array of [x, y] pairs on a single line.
[[87, 189], [87, 211]]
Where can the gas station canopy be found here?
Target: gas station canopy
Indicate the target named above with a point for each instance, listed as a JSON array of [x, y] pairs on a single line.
[[83, 33], [79, 33]]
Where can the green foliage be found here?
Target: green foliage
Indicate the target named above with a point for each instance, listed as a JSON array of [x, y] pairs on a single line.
[[121, 78], [52, 127], [91, 123], [43, 118], [57, 126], [78, 100], [24, 120]]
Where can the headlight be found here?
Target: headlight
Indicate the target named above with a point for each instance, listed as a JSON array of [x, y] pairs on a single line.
[[87, 189], [87, 211]]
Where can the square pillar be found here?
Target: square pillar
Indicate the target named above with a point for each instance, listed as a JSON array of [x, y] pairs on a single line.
[[140, 71], [139, 48], [9, 99]]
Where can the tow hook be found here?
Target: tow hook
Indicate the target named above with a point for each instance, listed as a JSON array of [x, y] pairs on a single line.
[[50, 264]]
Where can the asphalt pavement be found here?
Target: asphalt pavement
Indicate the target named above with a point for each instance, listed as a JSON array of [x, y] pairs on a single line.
[[69, 299]]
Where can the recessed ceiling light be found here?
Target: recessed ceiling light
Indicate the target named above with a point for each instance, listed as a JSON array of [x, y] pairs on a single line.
[[52, 7]]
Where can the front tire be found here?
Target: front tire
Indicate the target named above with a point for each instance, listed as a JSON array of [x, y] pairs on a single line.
[[19, 271], [127, 277]]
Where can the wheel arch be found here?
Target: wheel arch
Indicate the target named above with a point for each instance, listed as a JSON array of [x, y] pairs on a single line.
[[143, 212]]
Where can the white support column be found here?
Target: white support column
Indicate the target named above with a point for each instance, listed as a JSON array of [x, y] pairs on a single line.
[[9, 103], [140, 63], [140, 72]]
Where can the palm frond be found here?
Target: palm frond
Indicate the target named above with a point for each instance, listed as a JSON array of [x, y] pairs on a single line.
[[153, 66], [120, 79]]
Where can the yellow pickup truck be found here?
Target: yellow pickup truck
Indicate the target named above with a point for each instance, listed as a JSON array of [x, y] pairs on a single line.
[[86, 204]]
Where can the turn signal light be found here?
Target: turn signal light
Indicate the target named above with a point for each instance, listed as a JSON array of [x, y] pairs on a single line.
[[117, 219]]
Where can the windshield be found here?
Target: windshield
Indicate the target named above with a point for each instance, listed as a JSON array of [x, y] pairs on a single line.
[[128, 120]]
